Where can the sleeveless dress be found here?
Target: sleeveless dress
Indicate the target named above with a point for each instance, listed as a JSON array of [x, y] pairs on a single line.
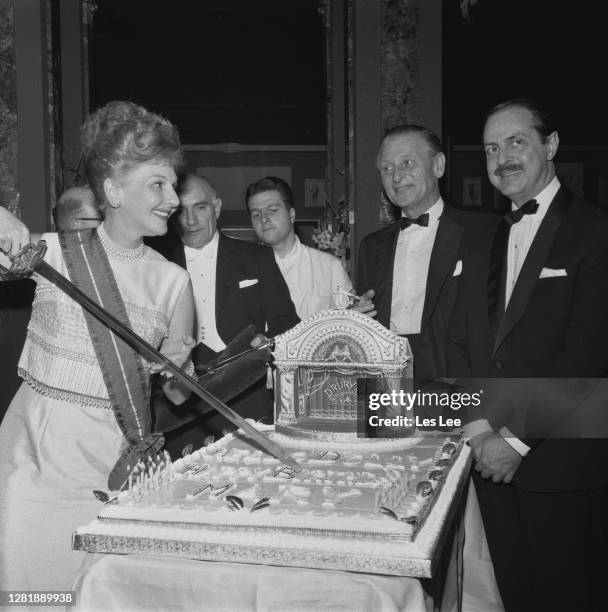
[[59, 438]]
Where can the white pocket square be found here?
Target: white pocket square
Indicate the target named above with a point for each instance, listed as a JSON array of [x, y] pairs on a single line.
[[551, 273], [458, 268], [247, 282]]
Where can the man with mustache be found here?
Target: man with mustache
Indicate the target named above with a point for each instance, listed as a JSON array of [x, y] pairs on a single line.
[[535, 305], [414, 265], [235, 284]]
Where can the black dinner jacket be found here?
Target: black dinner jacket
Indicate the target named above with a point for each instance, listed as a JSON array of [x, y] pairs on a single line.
[[555, 327], [265, 304], [375, 271]]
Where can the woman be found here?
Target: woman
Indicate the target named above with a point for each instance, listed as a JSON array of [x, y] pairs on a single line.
[[62, 436]]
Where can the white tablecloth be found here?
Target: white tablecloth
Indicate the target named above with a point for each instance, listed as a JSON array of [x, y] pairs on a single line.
[[124, 583]]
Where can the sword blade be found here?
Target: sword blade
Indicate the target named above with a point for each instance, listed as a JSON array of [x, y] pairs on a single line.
[[151, 354]]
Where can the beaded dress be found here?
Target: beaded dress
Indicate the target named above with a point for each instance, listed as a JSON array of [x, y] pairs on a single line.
[[59, 438]]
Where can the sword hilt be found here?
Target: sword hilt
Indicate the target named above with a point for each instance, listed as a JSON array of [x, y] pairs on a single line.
[[24, 263]]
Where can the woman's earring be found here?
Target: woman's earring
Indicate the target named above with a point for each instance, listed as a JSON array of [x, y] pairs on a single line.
[[115, 203]]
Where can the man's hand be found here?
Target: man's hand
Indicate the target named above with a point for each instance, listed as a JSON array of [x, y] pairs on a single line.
[[495, 457], [365, 304], [177, 351], [258, 339], [14, 235]]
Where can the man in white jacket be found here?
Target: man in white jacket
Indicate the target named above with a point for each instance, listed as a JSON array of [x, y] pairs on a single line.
[[313, 277]]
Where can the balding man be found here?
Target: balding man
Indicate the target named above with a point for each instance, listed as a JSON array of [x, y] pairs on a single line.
[[236, 283], [76, 209], [414, 265]]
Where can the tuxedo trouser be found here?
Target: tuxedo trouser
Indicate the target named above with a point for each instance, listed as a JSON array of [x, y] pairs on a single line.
[[548, 549]]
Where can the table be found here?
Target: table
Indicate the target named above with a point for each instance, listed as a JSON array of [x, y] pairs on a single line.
[[139, 582], [131, 583], [216, 567]]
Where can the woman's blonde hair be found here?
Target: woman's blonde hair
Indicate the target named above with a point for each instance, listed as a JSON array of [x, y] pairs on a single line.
[[121, 135]]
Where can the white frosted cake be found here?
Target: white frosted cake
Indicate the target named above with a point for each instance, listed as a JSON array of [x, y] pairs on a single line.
[[359, 509], [368, 505]]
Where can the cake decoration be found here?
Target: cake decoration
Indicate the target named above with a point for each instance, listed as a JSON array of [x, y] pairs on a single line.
[[318, 363]]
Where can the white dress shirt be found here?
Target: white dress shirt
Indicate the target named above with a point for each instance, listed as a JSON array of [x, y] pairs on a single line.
[[410, 272], [312, 277], [523, 232], [202, 265], [520, 239]]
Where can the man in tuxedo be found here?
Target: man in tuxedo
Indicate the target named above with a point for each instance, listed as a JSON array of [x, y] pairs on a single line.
[[414, 265], [534, 305], [236, 284]]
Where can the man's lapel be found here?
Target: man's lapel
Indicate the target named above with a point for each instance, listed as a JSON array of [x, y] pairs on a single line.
[[385, 259], [533, 264], [443, 261], [226, 274]]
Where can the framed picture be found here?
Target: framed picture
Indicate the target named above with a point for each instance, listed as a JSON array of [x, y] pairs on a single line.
[[602, 191], [314, 193], [471, 191], [304, 229]]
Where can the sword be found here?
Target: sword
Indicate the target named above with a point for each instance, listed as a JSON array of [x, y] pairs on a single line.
[[31, 259], [206, 371]]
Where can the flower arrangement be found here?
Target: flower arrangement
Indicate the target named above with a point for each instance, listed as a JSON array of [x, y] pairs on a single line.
[[332, 235]]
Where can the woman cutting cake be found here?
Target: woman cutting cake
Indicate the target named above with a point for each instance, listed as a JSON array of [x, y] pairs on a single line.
[[81, 417]]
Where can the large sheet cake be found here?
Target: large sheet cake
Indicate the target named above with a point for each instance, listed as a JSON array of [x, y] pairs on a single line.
[[367, 505]]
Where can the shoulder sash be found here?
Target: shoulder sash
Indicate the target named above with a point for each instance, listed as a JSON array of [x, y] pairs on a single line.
[[122, 367]]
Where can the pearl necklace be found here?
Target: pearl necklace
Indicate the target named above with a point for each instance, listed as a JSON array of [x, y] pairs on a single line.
[[118, 252]]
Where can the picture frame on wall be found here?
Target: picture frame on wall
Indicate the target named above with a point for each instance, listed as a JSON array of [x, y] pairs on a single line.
[[471, 191], [314, 193]]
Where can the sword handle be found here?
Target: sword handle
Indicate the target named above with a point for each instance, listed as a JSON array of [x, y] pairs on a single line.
[[24, 263]]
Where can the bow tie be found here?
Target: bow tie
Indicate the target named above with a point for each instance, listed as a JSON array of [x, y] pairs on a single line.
[[422, 220], [515, 216]]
